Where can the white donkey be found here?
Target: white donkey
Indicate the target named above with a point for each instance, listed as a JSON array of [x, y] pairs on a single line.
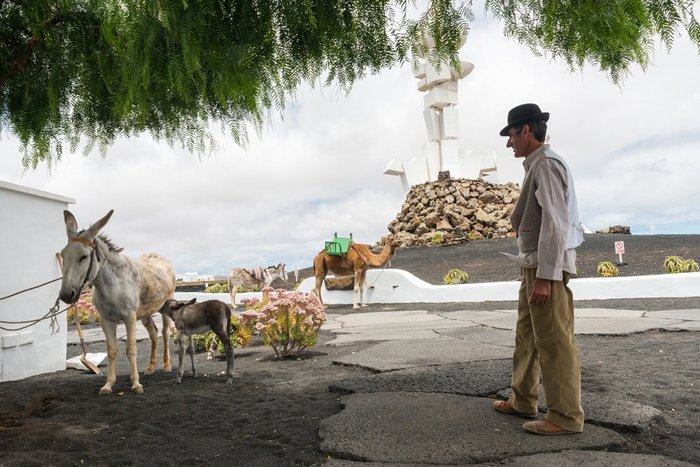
[[124, 290], [257, 278]]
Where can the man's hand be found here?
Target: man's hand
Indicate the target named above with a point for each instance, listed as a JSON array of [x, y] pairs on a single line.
[[541, 291]]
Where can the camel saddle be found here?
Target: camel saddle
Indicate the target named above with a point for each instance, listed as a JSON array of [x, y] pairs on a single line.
[[339, 246]]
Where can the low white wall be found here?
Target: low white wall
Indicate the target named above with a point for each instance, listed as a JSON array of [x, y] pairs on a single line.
[[398, 286], [32, 233]]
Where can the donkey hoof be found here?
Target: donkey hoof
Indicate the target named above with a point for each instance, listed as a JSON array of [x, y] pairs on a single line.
[[105, 391], [229, 380], [137, 389], [149, 371]]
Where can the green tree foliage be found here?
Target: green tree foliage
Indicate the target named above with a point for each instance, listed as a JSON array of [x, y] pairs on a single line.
[[108, 68], [611, 34], [101, 69]]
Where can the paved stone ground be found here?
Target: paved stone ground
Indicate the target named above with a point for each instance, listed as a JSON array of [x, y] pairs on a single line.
[[436, 368], [429, 401]]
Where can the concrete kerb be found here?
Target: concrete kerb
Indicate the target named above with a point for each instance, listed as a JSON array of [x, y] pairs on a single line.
[[398, 286]]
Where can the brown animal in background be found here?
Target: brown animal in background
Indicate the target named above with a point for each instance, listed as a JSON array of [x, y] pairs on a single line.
[[357, 261]]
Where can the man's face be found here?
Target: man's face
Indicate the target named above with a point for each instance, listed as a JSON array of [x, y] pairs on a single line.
[[518, 141]]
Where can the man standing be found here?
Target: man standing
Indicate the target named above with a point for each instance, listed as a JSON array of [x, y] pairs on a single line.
[[545, 219]]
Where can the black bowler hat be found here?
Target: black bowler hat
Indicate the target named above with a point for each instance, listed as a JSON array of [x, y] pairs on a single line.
[[524, 113]]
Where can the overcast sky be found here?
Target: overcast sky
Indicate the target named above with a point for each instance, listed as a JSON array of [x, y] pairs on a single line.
[[634, 151]]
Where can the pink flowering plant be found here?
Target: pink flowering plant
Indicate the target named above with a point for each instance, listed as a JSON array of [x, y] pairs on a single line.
[[83, 309], [289, 321]]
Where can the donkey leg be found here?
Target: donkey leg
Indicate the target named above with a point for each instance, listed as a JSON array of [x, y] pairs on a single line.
[[180, 355], [130, 323], [190, 352], [226, 340], [153, 334], [110, 331], [167, 329], [212, 348], [233, 288]]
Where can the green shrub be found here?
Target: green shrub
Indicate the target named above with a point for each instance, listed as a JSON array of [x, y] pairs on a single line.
[[676, 264], [437, 239], [691, 266], [607, 269], [217, 288], [455, 276]]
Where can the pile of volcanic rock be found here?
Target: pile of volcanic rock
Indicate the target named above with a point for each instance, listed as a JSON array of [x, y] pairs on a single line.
[[615, 229], [455, 211]]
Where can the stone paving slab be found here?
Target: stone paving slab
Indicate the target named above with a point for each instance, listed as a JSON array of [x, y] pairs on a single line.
[[426, 428], [686, 315], [551, 459], [619, 414], [607, 313], [608, 411], [684, 326], [486, 378], [470, 379], [395, 331], [399, 354], [481, 334], [620, 326], [386, 317], [597, 458]]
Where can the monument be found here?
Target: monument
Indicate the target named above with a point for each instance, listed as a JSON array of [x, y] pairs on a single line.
[[442, 152]]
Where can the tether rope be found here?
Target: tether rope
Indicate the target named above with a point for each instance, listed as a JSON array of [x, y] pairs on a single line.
[[51, 314], [30, 288], [388, 263]]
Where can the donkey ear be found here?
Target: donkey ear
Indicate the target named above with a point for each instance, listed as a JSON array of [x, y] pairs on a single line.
[[191, 301], [97, 226], [71, 224]]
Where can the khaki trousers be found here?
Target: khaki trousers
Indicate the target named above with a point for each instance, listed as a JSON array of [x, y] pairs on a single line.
[[545, 344]]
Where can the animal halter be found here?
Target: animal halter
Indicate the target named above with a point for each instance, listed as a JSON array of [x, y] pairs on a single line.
[[94, 257]]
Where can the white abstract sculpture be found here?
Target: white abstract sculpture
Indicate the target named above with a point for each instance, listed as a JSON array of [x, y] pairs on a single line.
[[441, 85]]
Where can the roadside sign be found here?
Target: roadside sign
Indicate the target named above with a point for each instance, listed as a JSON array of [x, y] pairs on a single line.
[[620, 250]]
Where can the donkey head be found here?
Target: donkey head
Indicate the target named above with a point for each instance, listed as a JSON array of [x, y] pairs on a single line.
[[171, 306], [281, 272], [81, 257]]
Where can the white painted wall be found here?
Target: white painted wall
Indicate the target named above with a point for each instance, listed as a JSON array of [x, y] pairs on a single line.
[[398, 286], [32, 231]]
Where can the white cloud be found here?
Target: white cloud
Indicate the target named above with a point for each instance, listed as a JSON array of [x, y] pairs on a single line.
[[633, 150]]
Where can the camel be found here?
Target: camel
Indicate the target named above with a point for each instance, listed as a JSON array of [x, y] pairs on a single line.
[[357, 261], [124, 290]]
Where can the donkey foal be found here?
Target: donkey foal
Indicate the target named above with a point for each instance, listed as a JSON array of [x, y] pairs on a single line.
[[198, 318]]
